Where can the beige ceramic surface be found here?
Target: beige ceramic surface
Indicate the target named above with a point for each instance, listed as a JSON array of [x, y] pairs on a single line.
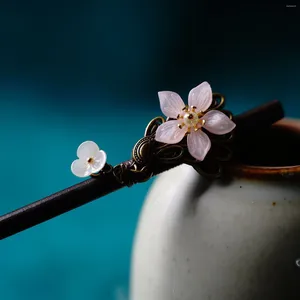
[[202, 241]]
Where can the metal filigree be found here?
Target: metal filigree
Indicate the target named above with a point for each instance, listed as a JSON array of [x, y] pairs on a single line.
[[150, 157]]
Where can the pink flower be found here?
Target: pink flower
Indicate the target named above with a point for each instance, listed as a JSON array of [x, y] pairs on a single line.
[[190, 119]]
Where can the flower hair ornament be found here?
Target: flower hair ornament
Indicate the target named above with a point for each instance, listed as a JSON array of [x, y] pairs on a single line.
[[200, 133]]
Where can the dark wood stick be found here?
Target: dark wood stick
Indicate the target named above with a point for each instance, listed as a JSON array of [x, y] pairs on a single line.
[[93, 188]]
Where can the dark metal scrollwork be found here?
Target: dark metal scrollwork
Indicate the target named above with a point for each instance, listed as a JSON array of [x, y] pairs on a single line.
[[149, 155], [139, 168]]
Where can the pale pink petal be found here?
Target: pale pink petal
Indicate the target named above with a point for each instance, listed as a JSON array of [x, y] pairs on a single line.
[[217, 122], [170, 133], [99, 161], [201, 97], [87, 150], [171, 104], [198, 144], [80, 168]]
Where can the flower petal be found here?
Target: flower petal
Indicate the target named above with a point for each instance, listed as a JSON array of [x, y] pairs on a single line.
[[98, 162], [217, 122], [87, 149], [171, 104], [80, 168], [170, 133], [201, 97], [198, 144]]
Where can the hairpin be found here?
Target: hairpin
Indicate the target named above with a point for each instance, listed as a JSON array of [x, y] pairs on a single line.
[[200, 133]]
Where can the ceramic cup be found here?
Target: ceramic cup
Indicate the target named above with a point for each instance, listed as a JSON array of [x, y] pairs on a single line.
[[237, 238]]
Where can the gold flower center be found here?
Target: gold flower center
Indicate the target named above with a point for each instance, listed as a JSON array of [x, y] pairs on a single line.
[[190, 119]]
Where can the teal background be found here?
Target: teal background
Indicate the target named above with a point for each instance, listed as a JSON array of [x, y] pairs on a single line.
[[74, 71]]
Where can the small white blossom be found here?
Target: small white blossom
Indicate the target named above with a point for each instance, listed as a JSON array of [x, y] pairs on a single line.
[[90, 160], [190, 119]]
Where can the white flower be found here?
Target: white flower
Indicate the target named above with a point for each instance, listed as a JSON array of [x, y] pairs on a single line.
[[190, 119], [91, 160]]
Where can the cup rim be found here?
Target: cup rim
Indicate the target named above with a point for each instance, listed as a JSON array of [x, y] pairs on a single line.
[[261, 172], [270, 172]]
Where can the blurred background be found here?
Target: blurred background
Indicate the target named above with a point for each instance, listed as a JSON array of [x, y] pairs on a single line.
[[72, 71]]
